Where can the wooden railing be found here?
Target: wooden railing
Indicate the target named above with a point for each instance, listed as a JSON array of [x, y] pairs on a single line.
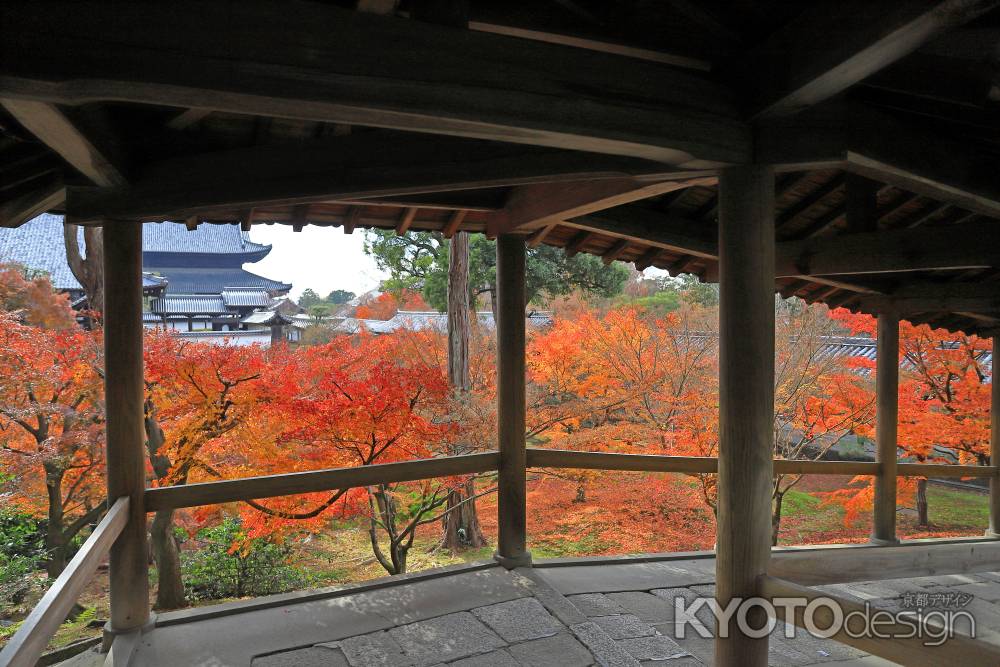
[[30, 640], [27, 644]]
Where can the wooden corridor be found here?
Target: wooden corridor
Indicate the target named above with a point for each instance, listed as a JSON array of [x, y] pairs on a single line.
[[843, 152]]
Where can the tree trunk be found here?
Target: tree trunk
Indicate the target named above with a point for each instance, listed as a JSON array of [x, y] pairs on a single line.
[[170, 585], [55, 536], [89, 269], [779, 497], [461, 526], [922, 519], [170, 590]]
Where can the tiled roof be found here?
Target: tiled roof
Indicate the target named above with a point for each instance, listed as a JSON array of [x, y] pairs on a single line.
[[214, 281], [189, 304], [236, 297], [266, 318], [38, 245], [206, 239]]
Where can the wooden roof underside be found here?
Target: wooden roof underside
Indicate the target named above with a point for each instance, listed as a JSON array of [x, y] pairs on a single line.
[[597, 126]]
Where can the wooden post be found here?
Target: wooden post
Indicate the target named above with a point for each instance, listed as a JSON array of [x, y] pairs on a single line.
[[511, 501], [994, 528], [746, 400], [123, 386], [886, 417]]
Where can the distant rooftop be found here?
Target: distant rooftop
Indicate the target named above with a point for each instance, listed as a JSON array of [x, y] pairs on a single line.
[[38, 245]]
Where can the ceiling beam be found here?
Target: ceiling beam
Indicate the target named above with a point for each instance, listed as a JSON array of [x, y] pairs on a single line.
[[352, 167], [831, 46], [533, 206], [17, 211], [923, 249], [58, 132], [871, 143], [326, 63], [646, 227]]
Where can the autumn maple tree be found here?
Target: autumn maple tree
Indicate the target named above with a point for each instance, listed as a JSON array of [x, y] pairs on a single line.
[[52, 427], [944, 397]]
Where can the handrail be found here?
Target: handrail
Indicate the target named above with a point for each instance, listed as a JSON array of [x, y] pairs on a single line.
[[564, 458], [28, 643], [898, 642], [270, 486]]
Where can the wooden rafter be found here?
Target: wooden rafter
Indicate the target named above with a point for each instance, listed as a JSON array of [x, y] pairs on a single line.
[[52, 127], [454, 222], [406, 219], [351, 167], [17, 211], [532, 206], [830, 47]]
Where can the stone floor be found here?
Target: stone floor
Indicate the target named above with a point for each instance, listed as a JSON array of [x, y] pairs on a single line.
[[573, 614]]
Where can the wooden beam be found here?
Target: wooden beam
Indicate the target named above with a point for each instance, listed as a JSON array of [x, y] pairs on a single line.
[[53, 128], [29, 642], [406, 219], [351, 219], [647, 227], [325, 63], [993, 530], [454, 222], [647, 259], [595, 45], [17, 211], [615, 251], [532, 206], [904, 306], [861, 204], [191, 223], [950, 247], [536, 238], [353, 167], [887, 409], [829, 48], [187, 118], [576, 243], [872, 143], [270, 486], [511, 406], [246, 220], [125, 432], [746, 402], [300, 216]]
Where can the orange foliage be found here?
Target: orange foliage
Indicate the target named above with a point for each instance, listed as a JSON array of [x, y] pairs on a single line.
[[387, 304]]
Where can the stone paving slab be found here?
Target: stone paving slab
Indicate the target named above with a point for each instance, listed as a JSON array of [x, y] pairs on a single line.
[[562, 649], [446, 638], [519, 620], [624, 576]]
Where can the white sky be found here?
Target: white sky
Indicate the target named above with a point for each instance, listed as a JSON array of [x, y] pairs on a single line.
[[323, 258]]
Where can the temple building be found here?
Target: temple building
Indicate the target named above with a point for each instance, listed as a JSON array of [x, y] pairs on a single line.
[[194, 280]]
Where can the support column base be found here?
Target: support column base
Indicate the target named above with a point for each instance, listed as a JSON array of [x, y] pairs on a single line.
[[879, 542], [510, 563], [992, 535], [110, 633]]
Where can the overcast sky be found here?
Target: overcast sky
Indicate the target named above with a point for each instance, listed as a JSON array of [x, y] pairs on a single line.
[[323, 258]]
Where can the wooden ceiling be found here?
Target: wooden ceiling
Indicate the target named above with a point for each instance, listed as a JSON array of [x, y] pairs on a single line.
[[594, 125]]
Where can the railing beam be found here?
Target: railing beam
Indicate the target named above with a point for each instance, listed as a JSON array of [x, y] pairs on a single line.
[[511, 407], [994, 528], [124, 391], [886, 418], [30, 640], [746, 401]]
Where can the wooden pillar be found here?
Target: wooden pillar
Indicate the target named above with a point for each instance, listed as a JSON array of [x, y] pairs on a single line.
[[886, 417], [746, 399], [511, 501], [994, 529], [123, 386]]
